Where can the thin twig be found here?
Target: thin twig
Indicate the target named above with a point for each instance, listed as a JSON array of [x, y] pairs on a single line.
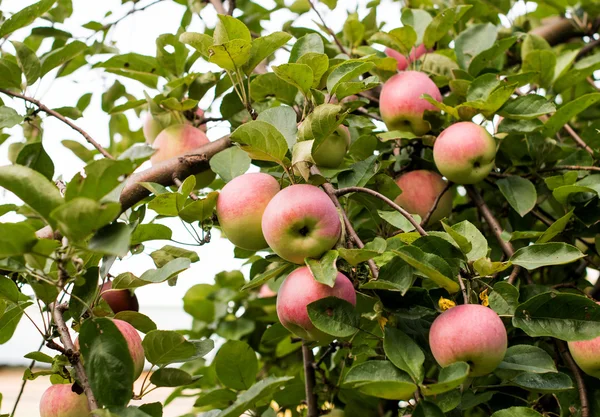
[[463, 289], [178, 183], [592, 83], [331, 32], [578, 139], [232, 5], [406, 214], [60, 117], [435, 204], [371, 115], [129, 13], [564, 352], [570, 168], [31, 365], [487, 214], [310, 381], [218, 5]]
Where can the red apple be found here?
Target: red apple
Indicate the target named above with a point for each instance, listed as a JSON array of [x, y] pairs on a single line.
[[401, 104], [464, 153], [403, 62], [60, 401], [420, 189], [240, 209], [586, 354], [200, 116], [333, 149], [469, 333], [266, 292], [119, 300], [301, 222], [176, 140], [299, 290]]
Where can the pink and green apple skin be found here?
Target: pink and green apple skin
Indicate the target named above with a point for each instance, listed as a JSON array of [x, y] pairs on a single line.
[[333, 149], [300, 289], [60, 401], [465, 153], [469, 333], [151, 128], [301, 222], [586, 354], [401, 104], [240, 209], [176, 140], [403, 62], [420, 189]]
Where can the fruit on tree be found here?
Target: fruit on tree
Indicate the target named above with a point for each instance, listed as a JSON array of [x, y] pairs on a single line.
[[266, 292], [240, 209], [61, 401], [469, 333], [401, 104], [301, 222], [586, 354], [151, 128], [333, 149], [403, 62], [420, 189], [464, 153], [176, 140], [300, 289], [119, 300]]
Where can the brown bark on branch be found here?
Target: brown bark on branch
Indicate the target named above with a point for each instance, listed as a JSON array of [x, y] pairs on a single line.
[[556, 30], [435, 204], [568, 359], [310, 381]]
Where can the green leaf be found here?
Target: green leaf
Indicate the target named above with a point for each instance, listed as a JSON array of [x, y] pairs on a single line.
[[39, 357], [9, 117], [403, 352], [264, 47], [418, 19], [519, 192], [284, 120], [568, 111], [396, 275], [380, 379], [299, 75], [229, 28], [543, 62], [217, 398], [260, 279], [231, 55], [356, 256], [555, 228], [28, 62], [152, 231], [163, 347], [140, 321], [504, 299], [230, 163], [334, 316], [319, 63], [261, 140], [442, 23], [427, 409], [236, 365], [9, 290], [79, 150], [257, 393], [84, 293], [578, 73], [347, 71], [461, 240], [33, 188], [311, 42], [81, 217], [324, 270], [401, 39], [545, 254], [25, 17], [61, 55], [527, 107], [101, 177], [432, 266], [171, 377], [199, 210], [139, 67], [517, 412], [545, 383], [9, 320], [529, 359], [450, 377], [354, 30], [269, 85], [113, 239], [198, 41], [564, 316], [166, 272], [172, 61], [107, 362], [320, 124], [16, 239], [398, 220], [469, 43], [490, 57]]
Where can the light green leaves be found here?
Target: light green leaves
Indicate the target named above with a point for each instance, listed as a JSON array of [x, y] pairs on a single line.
[[401, 39], [568, 111], [432, 266], [441, 23], [299, 75], [229, 28], [324, 270], [545, 254], [257, 393], [527, 107], [9, 117], [28, 62], [403, 352], [25, 17], [519, 192], [163, 347], [345, 72], [230, 163], [380, 379], [334, 316], [61, 55], [262, 141], [471, 42], [264, 47], [320, 124], [231, 55], [450, 377]]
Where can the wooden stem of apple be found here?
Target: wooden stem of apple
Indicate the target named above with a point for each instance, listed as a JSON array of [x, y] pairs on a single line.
[[568, 359], [310, 380]]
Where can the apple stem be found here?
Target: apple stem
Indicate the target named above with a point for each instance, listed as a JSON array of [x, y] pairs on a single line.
[[568, 359], [463, 289], [310, 380]]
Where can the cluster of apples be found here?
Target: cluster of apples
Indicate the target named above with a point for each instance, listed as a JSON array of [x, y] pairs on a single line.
[[61, 400]]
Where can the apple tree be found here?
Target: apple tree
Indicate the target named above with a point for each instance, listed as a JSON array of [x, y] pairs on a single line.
[[416, 203]]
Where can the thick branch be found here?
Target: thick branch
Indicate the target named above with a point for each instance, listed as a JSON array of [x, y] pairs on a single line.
[[566, 355], [556, 30], [487, 214], [310, 381], [406, 214], [60, 117]]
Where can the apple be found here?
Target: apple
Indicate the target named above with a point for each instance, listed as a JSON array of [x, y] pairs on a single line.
[[199, 114], [420, 189], [266, 292], [134, 343], [176, 140], [464, 153], [333, 149], [469, 333], [240, 209], [119, 300], [151, 128], [300, 289], [586, 354], [401, 104], [415, 53], [301, 222], [61, 401]]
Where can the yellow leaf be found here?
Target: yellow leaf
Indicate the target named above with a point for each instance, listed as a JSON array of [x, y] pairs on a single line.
[[483, 296], [446, 304]]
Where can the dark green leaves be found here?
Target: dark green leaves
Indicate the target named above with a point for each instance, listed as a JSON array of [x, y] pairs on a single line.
[[569, 110], [16, 239], [519, 192], [380, 379], [450, 377], [28, 62], [163, 347], [61, 55], [171, 377], [527, 358], [544, 254], [258, 392], [432, 266], [403, 352], [527, 107], [334, 316], [236, 365]]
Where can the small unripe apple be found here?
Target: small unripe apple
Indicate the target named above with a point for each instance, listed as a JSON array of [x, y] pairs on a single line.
[[176, 140], [301, 222], [420, 189], [586, 354], [403, 62], [469, 333], [119, 300], [240, 209], [300, 289], [401, 104], [151, 128], [464, 153], [60, 401], [333, 149]]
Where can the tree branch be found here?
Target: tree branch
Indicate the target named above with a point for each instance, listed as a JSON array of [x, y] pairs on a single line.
[[310, 381], [406, 214], [218, 5], [578, 139], [556, 30], [435, 204], [60, 117], [566, 355], [487, 214], [331, 32], [570, 168]]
